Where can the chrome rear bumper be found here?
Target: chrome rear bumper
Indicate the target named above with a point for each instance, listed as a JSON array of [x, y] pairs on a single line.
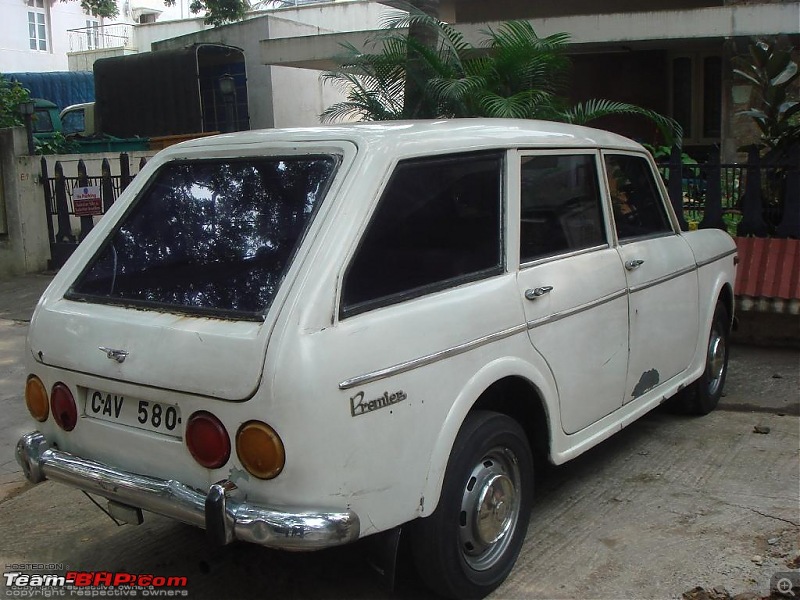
[[223, 517]]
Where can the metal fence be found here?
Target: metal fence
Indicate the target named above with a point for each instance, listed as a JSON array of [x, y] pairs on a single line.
[[60, 202], [746, 199]]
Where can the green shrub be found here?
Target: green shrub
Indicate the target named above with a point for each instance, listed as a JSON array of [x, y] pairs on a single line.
[[11, 94]]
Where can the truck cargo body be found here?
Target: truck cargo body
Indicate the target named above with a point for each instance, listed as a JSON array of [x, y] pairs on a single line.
[[197, 89]]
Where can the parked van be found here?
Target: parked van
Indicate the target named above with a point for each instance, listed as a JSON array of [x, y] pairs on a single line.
[[300, 338]]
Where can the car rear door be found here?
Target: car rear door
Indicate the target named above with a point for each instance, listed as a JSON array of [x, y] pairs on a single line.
[[571, 282], [661, 275]]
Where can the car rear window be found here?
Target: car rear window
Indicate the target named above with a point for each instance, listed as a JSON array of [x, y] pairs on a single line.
[[210, 237]]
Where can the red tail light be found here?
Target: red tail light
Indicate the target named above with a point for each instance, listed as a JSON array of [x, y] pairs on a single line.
[[207, 440], [63, 407]]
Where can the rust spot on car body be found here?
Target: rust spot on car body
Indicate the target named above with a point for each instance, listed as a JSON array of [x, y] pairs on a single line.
[[647, 382]]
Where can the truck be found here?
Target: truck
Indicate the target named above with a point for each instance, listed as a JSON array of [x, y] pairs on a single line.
[[47, 125], [179, 93]]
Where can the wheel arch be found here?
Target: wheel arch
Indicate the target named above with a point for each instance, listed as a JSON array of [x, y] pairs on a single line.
[[723, 292], [508, 386], [519, 399]]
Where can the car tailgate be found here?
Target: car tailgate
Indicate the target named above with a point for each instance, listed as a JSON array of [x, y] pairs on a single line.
[[212, 357]]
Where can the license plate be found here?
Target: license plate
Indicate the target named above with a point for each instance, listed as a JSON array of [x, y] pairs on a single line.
[[142, 414]]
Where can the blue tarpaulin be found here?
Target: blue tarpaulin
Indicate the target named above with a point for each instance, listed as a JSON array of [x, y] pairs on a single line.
[[62, 88]]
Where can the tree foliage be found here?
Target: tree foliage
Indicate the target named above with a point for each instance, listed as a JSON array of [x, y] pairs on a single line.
[[512, 73], [217, 12], [11, 94], [99, 8]]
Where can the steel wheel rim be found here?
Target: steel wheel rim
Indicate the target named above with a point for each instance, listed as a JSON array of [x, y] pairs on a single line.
[[715, 362], [490, 507]]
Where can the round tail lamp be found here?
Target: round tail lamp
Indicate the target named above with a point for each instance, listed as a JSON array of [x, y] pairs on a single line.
[[63, 407], [36, 398], [207, 440], [260, 450]]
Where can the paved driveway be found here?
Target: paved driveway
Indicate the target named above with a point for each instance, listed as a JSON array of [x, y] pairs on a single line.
[[668, 504]]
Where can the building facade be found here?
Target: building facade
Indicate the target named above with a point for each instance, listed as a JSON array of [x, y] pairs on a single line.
[[40, 35], [672, 56]]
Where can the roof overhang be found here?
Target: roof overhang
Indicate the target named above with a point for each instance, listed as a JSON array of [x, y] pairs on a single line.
[[588, 32], [146, 7]]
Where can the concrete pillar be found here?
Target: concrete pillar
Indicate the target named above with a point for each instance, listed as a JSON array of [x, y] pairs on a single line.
[[24, 245], [728, 142]]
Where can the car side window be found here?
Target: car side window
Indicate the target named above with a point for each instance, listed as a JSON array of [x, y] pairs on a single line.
[[42, 122], [561, 209], [635, 197], [438, 224], [73, 122]]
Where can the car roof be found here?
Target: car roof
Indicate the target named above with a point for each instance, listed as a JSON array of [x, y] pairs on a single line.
[[428, 135], [79, 105], [42, 103]]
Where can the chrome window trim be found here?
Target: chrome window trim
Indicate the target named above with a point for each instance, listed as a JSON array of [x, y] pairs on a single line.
[[714, 259], [428, 359], [471, 345], [663, 279], [559, 256], [645, 237], [577, 309]]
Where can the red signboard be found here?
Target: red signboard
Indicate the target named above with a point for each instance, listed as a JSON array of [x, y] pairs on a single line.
[[86, 201]]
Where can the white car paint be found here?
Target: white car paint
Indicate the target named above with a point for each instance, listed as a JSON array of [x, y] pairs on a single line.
[[310, 373]]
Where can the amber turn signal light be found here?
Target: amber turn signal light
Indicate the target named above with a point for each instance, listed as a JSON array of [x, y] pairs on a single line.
[[260, 449], [36, 398]]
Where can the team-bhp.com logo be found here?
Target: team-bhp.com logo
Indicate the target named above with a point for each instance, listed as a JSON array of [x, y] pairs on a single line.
[[93, 583]]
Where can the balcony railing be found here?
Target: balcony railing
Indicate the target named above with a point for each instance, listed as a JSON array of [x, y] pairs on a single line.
[[113, 35]]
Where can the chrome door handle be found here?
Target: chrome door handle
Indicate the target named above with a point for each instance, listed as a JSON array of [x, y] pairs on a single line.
[[634, 264], [533, 294]]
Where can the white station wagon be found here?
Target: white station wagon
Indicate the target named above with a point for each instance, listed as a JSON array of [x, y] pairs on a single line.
[[299, 338]]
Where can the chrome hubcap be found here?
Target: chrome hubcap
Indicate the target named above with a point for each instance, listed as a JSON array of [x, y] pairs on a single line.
[[715, 361], [489, 509], [494, 517]]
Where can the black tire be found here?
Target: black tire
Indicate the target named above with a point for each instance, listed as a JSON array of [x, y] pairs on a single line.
[[703, 395], [461, 551]]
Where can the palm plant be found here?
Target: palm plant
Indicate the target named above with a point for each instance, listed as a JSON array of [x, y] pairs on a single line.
[[374, 85], [514, 73]]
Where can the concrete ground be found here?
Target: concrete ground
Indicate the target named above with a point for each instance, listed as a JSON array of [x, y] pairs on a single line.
[[18, 298], [668, 504]]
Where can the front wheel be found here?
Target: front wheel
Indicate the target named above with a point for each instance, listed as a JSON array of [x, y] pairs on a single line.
[[468, 546]]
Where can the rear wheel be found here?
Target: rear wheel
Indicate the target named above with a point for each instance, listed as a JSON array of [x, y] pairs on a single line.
[[703, 395], [467, 547]]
